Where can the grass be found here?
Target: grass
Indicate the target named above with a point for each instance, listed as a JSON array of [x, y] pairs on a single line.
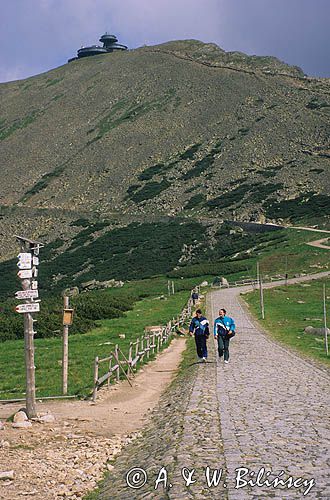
[[289, 310], [84, 348], [17, 125]]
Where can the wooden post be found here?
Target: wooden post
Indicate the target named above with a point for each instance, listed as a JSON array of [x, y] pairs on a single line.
[[96, 377], [148, 346], [153, 343], [325, 321], [65, 351], [110, 364], [142, 348], [168, 288], [130, 354], [258, 281], [158, 341], [173, 287], [261, 298], [117, 357], [26, 246]]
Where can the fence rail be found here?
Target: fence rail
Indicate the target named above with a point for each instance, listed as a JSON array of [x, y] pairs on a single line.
[[151, 342]]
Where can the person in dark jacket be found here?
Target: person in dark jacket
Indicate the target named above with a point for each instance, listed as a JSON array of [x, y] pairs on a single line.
[[199, 327], [194, 297], [224, 330]]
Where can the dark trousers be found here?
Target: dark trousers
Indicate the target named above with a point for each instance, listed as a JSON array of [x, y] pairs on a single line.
[[201, 346], [223, 346]]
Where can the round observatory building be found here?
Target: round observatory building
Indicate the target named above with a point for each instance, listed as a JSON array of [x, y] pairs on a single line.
[[110, 44]]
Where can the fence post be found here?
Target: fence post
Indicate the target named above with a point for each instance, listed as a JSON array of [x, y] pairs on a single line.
[[153, 343], [117, 357], [325, 320], [130, 354], [158, 340], [96, 376], [110, 365], [148, 346]]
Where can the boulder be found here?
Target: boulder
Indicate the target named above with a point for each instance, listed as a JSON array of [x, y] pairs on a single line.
[[20, 416], [7, 475], [315, 331], [46, 419], [224, 282], [22, 425], [204, 283]]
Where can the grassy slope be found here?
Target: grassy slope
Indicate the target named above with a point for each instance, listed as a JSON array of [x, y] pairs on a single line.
[[290, 309]]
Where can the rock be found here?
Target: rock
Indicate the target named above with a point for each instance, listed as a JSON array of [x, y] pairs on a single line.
[[22, 425], [204, 283], [7, 475], [4, 444], [224, 282], [301, 302], [48, 418], [20, 416], [315, 331], [122, 335], [2, 426]]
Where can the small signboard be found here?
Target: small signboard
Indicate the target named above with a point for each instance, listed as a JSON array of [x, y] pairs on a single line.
[[34, 285], [27, 294], [25, 274], [35, 261], [28, 308], [24, 260], [67, 317]]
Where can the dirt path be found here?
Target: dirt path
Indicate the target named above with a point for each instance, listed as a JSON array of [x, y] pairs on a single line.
[[66, 458], [319, 243]]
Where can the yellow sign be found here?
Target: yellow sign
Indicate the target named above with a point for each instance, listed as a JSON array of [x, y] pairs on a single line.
[[67, 317]]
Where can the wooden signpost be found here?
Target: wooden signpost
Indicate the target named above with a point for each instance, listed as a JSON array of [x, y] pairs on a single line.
[[27, 263], [67, 321]]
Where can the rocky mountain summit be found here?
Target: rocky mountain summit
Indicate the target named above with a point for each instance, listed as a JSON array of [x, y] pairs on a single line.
[[183, 128]]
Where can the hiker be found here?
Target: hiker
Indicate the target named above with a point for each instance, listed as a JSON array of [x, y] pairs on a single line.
[[200, 327], [194, 297], [224, 330]]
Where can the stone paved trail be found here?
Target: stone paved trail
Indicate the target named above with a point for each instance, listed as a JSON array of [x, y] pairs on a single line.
[[274, 410], [266, 408]]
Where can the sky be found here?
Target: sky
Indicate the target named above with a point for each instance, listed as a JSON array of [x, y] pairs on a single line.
[[39, 35]]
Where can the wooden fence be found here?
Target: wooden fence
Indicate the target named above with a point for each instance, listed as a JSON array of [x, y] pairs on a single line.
[[151, 342]]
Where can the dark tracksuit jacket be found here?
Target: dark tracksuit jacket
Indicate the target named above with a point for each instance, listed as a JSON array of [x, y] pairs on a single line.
[[200, 328]]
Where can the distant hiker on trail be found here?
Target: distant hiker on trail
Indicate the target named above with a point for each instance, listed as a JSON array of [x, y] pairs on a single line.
[[199, 326], [194, 297], [224, 330]]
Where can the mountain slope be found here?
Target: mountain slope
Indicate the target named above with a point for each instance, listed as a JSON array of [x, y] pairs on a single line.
[[180, 128]]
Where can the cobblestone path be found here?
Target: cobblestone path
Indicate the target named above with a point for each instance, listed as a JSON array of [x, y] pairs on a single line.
[[267, 408], [274, 410]]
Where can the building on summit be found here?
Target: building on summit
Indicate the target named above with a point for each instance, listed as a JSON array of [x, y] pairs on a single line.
[[110, 44]]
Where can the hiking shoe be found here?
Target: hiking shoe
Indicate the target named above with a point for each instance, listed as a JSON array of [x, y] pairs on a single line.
[[226, 361], [204, 360]]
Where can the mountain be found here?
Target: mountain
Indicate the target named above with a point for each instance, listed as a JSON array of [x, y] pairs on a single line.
[[182, 132]]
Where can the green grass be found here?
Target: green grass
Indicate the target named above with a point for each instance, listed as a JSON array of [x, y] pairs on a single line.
[[286, 318], [84, 348], [17, 124]]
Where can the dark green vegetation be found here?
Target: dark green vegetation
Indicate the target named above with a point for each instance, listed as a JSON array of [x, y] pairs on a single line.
[[89, 307], [84, 348], [303, 207], [18, 124], [289, 310]]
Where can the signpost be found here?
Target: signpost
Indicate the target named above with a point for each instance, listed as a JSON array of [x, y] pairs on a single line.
[[27, 263], [67, 321], [25, 308], [27, 294]]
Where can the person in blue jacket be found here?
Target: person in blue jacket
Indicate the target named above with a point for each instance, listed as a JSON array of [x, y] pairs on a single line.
[[224, 330], [199, 327]]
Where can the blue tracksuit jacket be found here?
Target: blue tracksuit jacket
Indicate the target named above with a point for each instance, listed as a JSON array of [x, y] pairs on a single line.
[[199, 326], [223, 325]]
